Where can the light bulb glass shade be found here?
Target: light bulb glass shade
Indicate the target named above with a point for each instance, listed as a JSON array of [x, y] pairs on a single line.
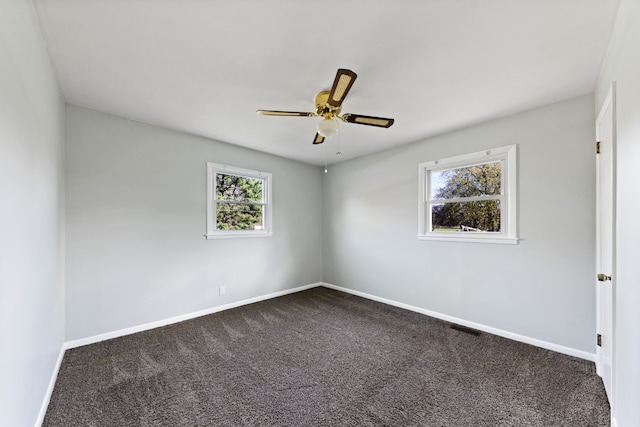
[[327, 128]]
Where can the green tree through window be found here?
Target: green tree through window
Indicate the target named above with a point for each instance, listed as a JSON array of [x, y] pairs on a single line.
[[473, 183], [239, 202]]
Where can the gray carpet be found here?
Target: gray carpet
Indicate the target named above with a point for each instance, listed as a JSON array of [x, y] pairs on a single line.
[[322, 358]]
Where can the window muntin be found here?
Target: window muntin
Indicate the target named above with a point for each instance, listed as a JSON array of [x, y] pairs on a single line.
[[238, 202], [469, 197]]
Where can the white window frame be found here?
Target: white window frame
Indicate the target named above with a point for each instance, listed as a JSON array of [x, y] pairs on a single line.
[[508, 210], [212, 233]]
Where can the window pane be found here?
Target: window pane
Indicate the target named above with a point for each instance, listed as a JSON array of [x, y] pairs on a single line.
[[479, 180], [482, 216], [238, 188], [238, 217]]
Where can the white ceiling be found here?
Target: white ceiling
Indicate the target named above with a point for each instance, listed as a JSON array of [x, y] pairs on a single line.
[[205, 67]]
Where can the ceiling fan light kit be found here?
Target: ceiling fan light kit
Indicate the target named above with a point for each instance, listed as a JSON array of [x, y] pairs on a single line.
[[329, 104], [327, 128]]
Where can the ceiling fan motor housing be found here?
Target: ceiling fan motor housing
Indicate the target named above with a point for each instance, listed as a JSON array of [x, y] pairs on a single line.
[[323, 108]]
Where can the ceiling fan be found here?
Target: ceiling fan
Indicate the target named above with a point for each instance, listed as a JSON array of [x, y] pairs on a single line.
[[329, 105]]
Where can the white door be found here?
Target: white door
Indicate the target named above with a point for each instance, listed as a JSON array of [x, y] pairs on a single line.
[[605, 239]]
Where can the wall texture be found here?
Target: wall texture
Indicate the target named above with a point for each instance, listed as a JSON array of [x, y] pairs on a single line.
[[541, 288], [31, 217], [136, 215], [622, 65]]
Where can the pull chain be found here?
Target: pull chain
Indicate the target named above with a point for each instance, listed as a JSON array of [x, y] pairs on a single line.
[[325, 157]]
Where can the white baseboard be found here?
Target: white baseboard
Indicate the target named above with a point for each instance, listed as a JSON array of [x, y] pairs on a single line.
[[49, 392], [159, 323], [506, 334], [516, 337]]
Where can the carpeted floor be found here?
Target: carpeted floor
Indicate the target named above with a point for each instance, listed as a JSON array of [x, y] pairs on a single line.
[[322, 358]]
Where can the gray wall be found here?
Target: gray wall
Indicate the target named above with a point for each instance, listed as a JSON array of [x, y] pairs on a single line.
[[136, 205], [622, 65], [541, 288], [31, 217]]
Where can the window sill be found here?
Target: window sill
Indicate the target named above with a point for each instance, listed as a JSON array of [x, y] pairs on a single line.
[[237, 235], [470, 239]]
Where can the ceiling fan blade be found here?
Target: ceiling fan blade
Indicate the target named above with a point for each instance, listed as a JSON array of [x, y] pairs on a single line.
[[284, 113], [367, 120], [319, 139], [341, 85]]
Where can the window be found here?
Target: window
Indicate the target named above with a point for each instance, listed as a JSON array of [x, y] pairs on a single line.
[[238, 202], [469, 198]]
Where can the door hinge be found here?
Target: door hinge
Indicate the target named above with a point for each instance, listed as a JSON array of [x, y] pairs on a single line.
[[599, 340], [597, 147]]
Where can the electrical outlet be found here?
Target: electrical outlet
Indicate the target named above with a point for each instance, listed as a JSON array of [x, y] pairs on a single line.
[[222, 290]]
